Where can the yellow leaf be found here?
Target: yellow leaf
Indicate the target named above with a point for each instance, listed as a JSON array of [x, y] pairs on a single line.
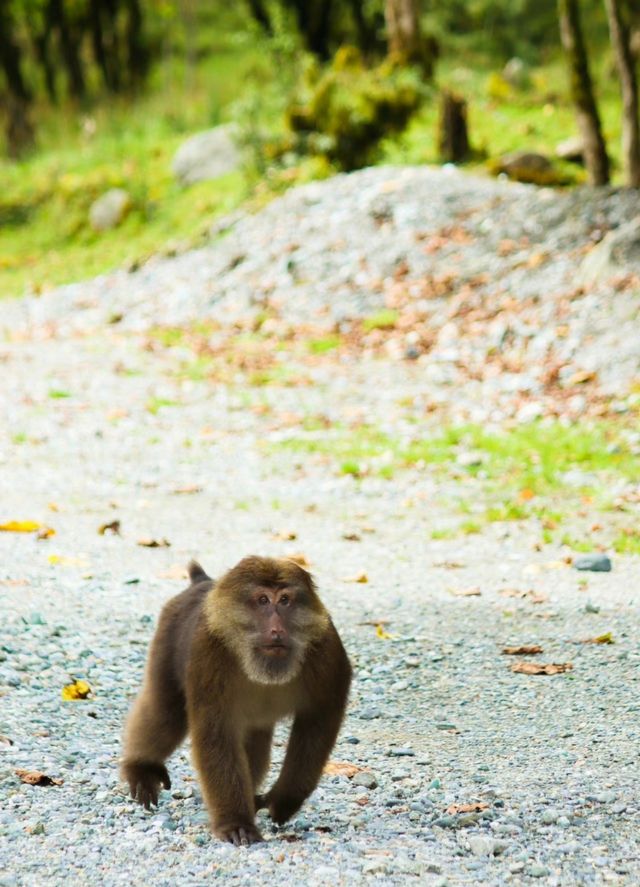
[[382, 634], [20, 526], [601, 639], [63, 561], [360, 578], [77, 690]]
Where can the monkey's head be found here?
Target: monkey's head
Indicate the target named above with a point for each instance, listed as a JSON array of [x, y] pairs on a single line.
[[269, 614]]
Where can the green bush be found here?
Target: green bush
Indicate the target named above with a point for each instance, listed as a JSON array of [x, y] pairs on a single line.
[[341, 112]]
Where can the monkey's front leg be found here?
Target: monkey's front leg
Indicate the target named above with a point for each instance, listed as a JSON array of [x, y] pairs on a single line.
[[226, 781], [310, 744]]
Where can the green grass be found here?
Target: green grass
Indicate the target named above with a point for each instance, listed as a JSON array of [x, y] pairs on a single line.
[[155, 404]]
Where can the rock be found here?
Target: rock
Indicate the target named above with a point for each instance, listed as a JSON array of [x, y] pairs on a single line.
[[481, 846], [596, 563], [526, 166], [367, 780], [571, 150], [207, 155], [617, 253], [537, 871], [516, 73], [109, 210]]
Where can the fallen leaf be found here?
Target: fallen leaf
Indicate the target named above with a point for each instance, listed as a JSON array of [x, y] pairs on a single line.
[[35, 777], [341, 768], [525, 650], [361, 578], [536, 597], [600, 639], [300, 559], [450, 565], [20, 526], [474, 591], [76, 690], [187, 490], [175, 571], [375, 622], [45, 533], [452, 809], [362, 802], [539, 668], [284, 535], [64, 561], [352, 537], [112, 527], [526, 494], [154, 543], [382, 634]]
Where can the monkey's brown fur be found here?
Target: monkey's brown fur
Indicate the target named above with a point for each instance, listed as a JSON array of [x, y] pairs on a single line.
[[229, 659]]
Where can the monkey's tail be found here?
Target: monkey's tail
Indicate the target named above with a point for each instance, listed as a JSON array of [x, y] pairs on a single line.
[[196, 573]]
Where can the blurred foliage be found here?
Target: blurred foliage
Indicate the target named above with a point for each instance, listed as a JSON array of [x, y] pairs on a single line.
[[336, 113]]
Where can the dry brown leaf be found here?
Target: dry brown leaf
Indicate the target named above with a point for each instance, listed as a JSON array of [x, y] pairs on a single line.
[[35, 777], [284, 535], [452, 809], [474, 591], [525, 650], [45, 533], [187, 490], [600, 639], [299, 558], [450, 565], [362, 802], [361, 578], [540, 668], [175, 571], [352, 537], [341, 768], [154, 543], [375, 622], [112, 527]]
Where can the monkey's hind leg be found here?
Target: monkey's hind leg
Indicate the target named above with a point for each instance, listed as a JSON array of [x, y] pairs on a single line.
[[154, 729]]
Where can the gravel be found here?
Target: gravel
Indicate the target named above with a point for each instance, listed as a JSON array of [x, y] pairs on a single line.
[[546, 766]]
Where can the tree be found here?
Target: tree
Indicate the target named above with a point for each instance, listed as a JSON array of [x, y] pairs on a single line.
[[620, 40], [595, 152], [404, 36]]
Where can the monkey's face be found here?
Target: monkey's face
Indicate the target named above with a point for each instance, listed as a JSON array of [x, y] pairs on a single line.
[[276, 637], [269, 613]]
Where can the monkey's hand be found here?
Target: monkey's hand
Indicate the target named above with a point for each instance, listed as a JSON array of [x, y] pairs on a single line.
[[239, 834], [281, 807], [145, 781]]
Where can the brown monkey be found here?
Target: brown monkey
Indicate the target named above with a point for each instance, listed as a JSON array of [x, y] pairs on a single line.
[[229, 659]]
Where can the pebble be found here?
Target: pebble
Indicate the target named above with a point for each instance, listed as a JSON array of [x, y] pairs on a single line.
[[596, 563]]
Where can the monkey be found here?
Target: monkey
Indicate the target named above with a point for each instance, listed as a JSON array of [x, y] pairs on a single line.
[[228, 660]]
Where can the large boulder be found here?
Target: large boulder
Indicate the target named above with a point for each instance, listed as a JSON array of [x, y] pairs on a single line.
[[617, 253], [110, 209], [207, 155]]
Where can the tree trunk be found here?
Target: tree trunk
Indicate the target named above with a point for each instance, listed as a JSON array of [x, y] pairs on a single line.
[[19, 129], [453, 136], [70, 50], [595, 152], [137, 49], [629, 88], [261, 15], [404, 38], [314, 23]]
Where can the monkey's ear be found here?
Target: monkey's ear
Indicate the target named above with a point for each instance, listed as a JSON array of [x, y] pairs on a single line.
[[196, 573]]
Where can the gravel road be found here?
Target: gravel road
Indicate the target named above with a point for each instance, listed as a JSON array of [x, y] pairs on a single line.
[[545, 768]]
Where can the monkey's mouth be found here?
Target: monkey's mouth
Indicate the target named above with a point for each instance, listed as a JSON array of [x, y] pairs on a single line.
[[276, 651]]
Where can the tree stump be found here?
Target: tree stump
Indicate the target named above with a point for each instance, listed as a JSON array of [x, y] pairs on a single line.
[[453, 137]]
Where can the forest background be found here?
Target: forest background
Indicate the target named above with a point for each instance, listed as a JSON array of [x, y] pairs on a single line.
[[99, 94]]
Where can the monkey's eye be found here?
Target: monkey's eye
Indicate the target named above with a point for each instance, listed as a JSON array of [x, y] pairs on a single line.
[[284, 600], [263, 600]]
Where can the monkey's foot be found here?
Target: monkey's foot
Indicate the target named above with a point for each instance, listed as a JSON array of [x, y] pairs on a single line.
[[281, 807], [145, 781], [239, 835]]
